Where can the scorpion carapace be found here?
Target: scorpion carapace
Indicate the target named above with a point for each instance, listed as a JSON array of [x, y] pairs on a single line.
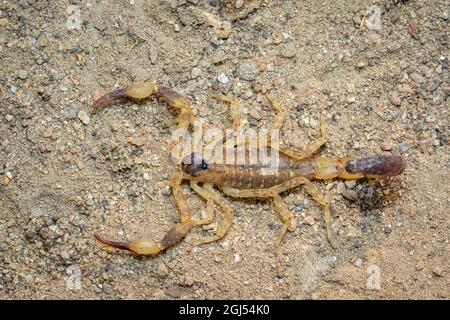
[[245, 178]]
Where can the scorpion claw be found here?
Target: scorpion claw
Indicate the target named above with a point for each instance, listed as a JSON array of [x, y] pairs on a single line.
[[143, 246]]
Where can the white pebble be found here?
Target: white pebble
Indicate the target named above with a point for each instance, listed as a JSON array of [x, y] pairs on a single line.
[[223, 79]]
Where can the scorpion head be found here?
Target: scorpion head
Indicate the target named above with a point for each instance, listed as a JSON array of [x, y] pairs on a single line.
[[193, 164]]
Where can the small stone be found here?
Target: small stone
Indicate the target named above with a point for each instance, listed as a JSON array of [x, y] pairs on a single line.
[[131, 191], [222, 29], [237, 258], [6, 181], [147, 176], [361, 64], [255, 114], [351, 195], [72, 111], [195, 73], [395, 19], [417, 77], [162, 270], [65, 255], [176, 27], [438, 271], [107, 288], [248, 71], [419, 266], [23, 74], [358, 262], [309, 221], [63, 87], [9, 118], [403, 147], [48, 132], [153, 55], [350, 184], [340, 188], [386, 146], [289, 51], [36, 213], [239, 4], [277, 38], [445, 15], [42, 148], [83, 116], [373, 39], [90, 202], [395, 100], [222, 78], [351, 99]]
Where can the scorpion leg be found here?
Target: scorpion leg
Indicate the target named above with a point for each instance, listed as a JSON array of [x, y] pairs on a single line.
[[209, 204], [235, 111], [222, 228], [179, 231], [281, 113], [311, 148], [310, 188], [315, 193], [288, 219]]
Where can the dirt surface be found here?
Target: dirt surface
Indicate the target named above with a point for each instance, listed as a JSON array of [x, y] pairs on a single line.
[[380, 84]]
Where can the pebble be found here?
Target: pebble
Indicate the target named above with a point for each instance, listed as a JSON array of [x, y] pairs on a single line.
[[417, 77], [248, 71], [237, 258], [90, 202], [48, 132], [289, 51], [438, 271], [361, 64], [340, 188], [162, 270], [72, 111], [351, 195], [403, 147], [63, 87], [222, 78], [9, 118], [445, 15], [36, 213], [386, 146], [153, 55], [83, 116], [6, 180], [255, 114], [350, 184], [309, 221], [358, 262], [147, 176], [195, 73], [107, 288], [239, 4], [395, 100], [23, 74]]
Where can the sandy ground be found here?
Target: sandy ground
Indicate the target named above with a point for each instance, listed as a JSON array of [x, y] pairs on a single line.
[[379, 82]]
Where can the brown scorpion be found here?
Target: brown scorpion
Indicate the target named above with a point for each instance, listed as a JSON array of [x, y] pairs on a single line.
[[246, 179]]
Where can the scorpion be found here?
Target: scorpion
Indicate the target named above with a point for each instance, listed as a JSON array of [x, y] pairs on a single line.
[[294, 167]]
